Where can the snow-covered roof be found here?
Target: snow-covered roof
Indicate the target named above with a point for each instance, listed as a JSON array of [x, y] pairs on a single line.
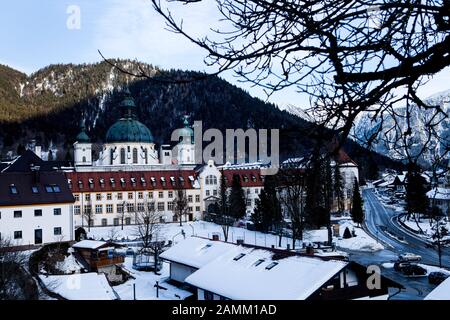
[[89, 244], [80, 286], [196, 252], [251, 274], [441, 292], [439, 193]]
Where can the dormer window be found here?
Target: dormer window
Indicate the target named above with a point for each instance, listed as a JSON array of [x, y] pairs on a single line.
[[80, 184], [245, 178], [271, 265], [35, 189], [113, 182], [144, 183], [122, 182], [153, 181], [102, 183], [133, 182], [163, 181], [69, 182], [13, 189], [91, 183], [253, 178]]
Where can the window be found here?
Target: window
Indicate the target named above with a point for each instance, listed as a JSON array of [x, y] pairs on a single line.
[[170, 194], [13, 189], [160, 194], [56, 188], [108, 196], [116, 221], [87, 209], [211, 180], [34, 189], [239, 256], [130, 195], [49, 189], [122, 156], [98, 196], [190, 198], [140, 195], [151, 206], [98, 208], [140, 207], [170, 206], [258, 262], [38, 212], [197, 208], [207, 193], [77, 197], [57, 231], [57, 211], [135, 155], [248, 202], [257, 191], [248, 191], [109, 208], [272, 265], [150, 195], [128, 221], [214, 192], [120, 208], [161, 206], [17, 235], [197, 198], [87, 197], [208, 295], [18, 214], [119, 196], [104, 222], [76, 210], [130, 207]]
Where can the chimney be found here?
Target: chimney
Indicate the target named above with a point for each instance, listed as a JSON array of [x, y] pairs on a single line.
[[36, 175], [215, 236], [38, 150]]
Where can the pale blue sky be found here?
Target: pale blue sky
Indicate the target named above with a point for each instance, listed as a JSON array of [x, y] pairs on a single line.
[[35, 34]]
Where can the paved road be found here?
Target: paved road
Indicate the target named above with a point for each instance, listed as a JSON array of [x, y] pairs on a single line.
[[380, 223]]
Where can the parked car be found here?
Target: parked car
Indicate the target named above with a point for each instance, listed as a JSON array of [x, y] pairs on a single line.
[[409, 257], [398, 266], [414, 270], [437, 277]]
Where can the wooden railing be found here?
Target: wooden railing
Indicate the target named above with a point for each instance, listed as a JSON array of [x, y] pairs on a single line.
[[101, 262]]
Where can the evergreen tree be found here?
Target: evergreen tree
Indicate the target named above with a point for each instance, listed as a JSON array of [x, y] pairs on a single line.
[[357, 204], [267, 213], [338, 188], [416, 193], [237, 199], [223, 208]]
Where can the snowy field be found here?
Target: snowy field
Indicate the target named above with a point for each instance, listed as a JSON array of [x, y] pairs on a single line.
[[424, 228], [173, 232]]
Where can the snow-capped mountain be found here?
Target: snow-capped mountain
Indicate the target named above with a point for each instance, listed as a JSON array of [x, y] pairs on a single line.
[[387, 142]]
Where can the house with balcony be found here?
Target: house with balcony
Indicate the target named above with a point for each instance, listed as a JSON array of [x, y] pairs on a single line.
[[100, 257]]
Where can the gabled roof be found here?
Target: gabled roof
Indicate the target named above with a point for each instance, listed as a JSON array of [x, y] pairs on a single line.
[[253, 274], [196, 252], [94, 244], [24, 183]]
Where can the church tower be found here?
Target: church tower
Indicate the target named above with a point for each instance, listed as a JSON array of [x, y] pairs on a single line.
[[186, 147], [82, 149]]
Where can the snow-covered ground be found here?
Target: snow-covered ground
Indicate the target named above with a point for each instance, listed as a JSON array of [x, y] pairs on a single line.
[[80, 286], [423, 227], [145, 285], [173, 232], [362, 241]]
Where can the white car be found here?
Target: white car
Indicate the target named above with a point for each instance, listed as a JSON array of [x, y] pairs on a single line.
[[409, 257]]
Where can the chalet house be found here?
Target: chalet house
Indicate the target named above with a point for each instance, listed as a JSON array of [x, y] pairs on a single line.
[[101, 257], [35, 203], [242, 272]]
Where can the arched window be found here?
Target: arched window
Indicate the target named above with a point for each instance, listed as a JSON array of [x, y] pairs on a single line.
[[84, 159], [135, 155], [111, 156], [146, 156], [122, 156]]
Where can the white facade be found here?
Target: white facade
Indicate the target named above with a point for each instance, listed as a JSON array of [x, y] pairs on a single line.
[[20, 223], [82, 154], [130, 153]]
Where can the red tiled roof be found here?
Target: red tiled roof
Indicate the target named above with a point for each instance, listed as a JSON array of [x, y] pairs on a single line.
[[249, 177], [129, 180], [343, 157]]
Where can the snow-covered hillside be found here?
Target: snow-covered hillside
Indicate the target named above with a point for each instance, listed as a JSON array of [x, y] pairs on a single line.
[[386, 141]]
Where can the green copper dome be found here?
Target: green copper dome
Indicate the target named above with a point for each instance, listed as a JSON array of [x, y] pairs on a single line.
[[82, 137], [186, 131], [128, 129]]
